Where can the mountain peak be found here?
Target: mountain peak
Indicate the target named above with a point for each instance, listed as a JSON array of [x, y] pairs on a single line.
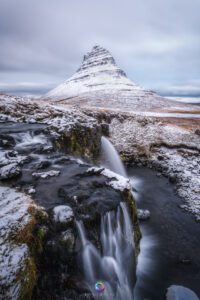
[[100, 81], [99, 57]]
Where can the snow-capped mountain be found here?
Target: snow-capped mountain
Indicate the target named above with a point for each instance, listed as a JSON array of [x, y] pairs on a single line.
[[100, 82]]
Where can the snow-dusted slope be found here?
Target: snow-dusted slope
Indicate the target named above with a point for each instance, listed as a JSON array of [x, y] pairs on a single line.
[[97, 72], [100, 82]]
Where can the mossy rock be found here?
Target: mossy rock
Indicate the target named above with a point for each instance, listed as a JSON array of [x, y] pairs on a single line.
[[129, 199], [28, 279]]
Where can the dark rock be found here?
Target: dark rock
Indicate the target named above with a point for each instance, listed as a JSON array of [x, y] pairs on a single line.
[[184, 260], [160, 157], [10, 171], [77, 283], [197, 131], [6, 141], [67, 239], [105, 129], [43, 164], [143, 214], [172, 178], [46, 149]]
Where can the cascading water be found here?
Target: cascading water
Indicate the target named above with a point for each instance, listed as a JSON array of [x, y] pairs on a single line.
[[28, 139], [115, 264], [111, 158]]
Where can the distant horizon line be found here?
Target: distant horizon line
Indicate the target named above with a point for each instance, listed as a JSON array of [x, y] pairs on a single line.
[[40, 92]]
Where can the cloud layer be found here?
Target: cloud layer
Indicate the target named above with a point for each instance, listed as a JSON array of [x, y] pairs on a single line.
[[156, 42]]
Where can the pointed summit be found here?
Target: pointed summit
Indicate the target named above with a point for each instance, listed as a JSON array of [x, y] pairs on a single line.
[[98, 56], [99, 59], [100, 82], [98, 71]]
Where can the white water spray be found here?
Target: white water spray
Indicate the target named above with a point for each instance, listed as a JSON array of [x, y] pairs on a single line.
[[111, 158]]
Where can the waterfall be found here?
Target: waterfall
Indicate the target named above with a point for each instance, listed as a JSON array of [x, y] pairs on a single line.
[[114, 265], [112, 269], [111, 158]]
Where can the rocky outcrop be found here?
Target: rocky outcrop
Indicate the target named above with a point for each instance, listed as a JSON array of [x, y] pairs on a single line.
[[18, 271], [168, 146], [123, 185], [71, 130], [42, 246], [9, 171]]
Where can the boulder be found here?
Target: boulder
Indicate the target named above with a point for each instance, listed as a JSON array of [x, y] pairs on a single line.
[[68, 240], [18, 274], [10, 171], [143, 214], [63, 214], [177, 292]]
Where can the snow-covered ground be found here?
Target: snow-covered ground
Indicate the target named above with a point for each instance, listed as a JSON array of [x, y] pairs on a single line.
[[172, 149], [192, 100], [117, 181], [169, 115], [14, 216]]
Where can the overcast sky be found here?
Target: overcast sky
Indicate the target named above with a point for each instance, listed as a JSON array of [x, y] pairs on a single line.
[[156, 42]]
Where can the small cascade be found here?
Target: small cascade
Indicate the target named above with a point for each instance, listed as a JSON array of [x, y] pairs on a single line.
[[111, 158], [114, 265], [27, 140]]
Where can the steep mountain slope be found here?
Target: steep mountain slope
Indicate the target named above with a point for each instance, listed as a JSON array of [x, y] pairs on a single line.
[[99, 82]]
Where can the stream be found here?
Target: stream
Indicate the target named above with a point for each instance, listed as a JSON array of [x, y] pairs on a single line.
[[170, 244]]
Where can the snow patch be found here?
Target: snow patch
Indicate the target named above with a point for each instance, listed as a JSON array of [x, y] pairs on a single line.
[[47, 174], [63, 214], [118, 182]]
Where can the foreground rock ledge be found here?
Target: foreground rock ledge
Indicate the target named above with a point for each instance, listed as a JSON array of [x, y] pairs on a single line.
[[18, 273]]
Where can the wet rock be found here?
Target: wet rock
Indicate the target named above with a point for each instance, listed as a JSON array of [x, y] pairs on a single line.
[[105, 129], [10, 171], [43, 164], [46, 149], [143, 214], [172, 178], [87, 296], [77, 283], [177, 292], [197, 131], [160, 157], [8, 157], [63, 214], [184, 260], [17, 266], [68, 240], [6, 141], [47, 174]]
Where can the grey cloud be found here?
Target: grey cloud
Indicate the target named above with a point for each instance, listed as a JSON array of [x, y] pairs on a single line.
[[26, 88], [155, 42], [191, 88]]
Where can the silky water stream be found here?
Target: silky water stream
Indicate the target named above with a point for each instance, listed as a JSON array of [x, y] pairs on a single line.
[[110, 272]]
